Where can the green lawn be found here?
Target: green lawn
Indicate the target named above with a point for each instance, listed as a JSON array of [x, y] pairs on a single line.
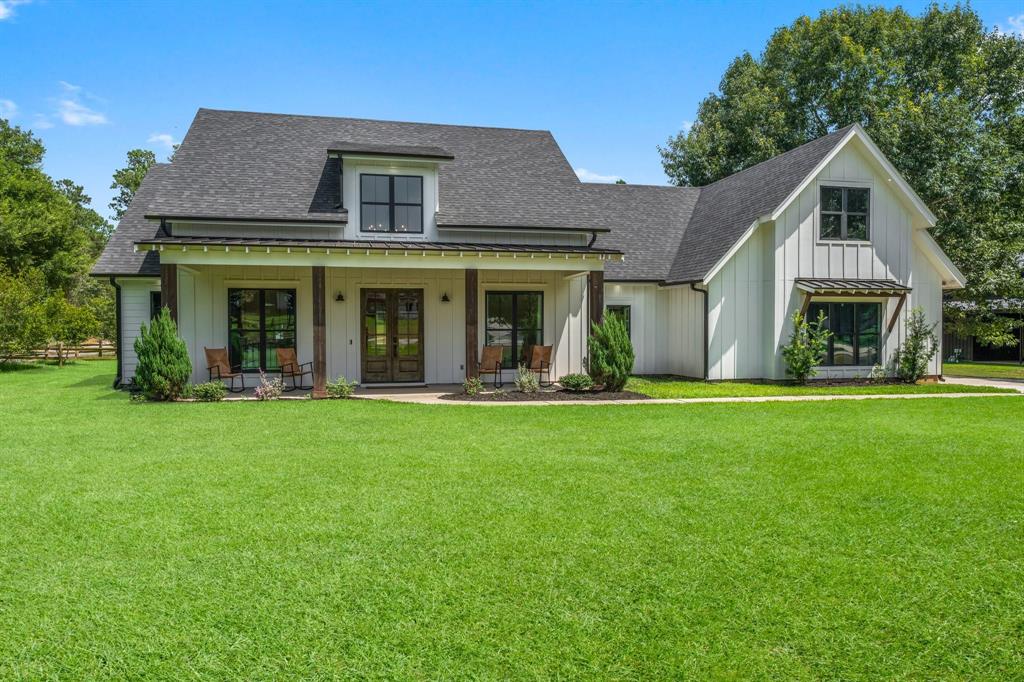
[[674, 387], [984, 370], [842, 540]]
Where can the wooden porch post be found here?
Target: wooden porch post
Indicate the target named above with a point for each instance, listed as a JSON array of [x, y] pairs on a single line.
[[472, 302], [596, 296], [319, 333], [169, 288]]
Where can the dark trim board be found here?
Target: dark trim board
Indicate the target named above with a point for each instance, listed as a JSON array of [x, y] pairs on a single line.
[[341, 220]]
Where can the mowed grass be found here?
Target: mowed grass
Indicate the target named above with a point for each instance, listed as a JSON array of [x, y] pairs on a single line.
[[675, 387], [984, 370], [313, 540]]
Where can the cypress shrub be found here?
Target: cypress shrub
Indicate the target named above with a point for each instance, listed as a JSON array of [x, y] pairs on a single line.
[[611, 353], [164, 366]]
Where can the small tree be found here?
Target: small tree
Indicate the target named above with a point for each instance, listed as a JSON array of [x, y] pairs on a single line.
[[22, 315], [917, 350], [68, 325], [611, 353], [164, 366], [807, 347]]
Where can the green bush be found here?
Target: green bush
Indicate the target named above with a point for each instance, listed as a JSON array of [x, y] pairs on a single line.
[[209, 392], [525, 380], [341, 388], [807, 347], [611, 353], [917, 350], [576, 383], [472, 385], [23, 325], [164, 366]]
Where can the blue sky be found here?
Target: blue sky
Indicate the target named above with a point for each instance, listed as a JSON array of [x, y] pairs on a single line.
[[610, 80]]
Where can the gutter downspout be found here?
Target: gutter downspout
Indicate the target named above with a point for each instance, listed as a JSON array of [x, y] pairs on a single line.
[[120, 336], [693, 285]]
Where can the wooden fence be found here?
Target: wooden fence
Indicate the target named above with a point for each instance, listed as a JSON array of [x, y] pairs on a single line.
[[89, 349]]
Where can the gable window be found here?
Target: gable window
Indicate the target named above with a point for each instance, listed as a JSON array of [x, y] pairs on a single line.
[[390, 203], [623, 313], [856, 332], [259, 322], [514, 320], [845, 213]]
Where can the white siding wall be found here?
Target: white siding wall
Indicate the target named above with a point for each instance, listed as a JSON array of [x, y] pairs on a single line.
[[134, 313], [667, 327], [754, 296]]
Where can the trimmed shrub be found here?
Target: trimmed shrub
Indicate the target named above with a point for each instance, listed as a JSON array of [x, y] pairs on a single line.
[[341, 388], [807, 347], [164, 366], [525, 380], [269, 389], [917, 350], [611, 353], [577, 383], [472, 385], [209, 392], [877, 375]]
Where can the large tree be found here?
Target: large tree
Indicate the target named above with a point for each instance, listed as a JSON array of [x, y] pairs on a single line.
[[127, 179], [941, 96]]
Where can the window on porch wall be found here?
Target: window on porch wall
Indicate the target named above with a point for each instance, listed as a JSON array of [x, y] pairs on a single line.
[[259, 322], [513, 320]]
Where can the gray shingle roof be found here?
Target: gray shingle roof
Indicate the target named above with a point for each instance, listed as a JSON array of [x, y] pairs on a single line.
[[119, 256], [728, 207]]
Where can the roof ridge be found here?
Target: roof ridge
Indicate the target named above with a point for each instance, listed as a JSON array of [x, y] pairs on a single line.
[[373, 120]]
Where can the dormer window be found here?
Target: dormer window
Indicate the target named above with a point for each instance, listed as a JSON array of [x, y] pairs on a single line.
[[390, 203], [845, 213]]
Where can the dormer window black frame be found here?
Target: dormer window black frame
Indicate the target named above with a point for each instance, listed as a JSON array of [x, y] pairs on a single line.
[[845, 214], [391, 203]]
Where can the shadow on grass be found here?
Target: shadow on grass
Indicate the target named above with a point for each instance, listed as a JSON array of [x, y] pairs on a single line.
[[6, 367]]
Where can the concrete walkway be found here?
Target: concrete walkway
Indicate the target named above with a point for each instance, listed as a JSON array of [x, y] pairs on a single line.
[[431, 395], [1015, 384]]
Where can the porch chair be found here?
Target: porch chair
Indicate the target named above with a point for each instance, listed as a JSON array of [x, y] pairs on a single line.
[[538, 360], [219, 367], [490, 363], [290, 367]]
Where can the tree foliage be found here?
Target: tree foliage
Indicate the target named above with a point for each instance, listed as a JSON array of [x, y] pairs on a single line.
[[164, 366], [127, 179], [807, 347], [23, 324], [611, 353], [67, 324], [941, 96]]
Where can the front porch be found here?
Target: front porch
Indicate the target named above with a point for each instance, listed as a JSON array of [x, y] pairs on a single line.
[[409, 319]]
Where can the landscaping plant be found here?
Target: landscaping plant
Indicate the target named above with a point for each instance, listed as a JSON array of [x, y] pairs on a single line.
[[342, 388], [472, 385], [525, 380], [209, 392], [577, 383], [611, 353], [164, 366], [807, 347], [268, 389], [917, 350]]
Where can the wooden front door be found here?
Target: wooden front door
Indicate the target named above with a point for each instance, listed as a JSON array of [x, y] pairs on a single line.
[[392, 335]]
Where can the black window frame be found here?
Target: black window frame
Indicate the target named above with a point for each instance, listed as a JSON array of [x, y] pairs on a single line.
[[154, 304], [236, 363], [515, 327], [615, 308], [390, 203], [832, 322], [844, 214]]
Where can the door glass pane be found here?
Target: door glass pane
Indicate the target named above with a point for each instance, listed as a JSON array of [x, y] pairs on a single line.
[[375, 323], [499, 311], [244, 308], [501, 338], [842, 329], [279, 309], [277, 339], [408, 318], [528, 311], [868, 327], [524, 338], [244, 350]]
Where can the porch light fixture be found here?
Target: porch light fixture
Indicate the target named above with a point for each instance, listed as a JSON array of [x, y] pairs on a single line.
[[339, 297], [444, 298]]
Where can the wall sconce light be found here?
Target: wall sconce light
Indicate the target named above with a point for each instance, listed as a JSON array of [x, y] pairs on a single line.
[[339, 297], [444, 298]]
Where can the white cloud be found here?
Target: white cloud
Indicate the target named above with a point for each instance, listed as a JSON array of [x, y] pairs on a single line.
[[8, 109], [42, 122], [77, 114], [70, 88], [1014, 26], [166, 139], [7, 7], [590, 176]]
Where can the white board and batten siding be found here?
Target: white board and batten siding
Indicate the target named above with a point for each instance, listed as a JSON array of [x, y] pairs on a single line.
[[754, 295], [135, 300]]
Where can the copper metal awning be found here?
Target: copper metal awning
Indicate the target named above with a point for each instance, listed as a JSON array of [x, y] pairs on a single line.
[[853, 288]]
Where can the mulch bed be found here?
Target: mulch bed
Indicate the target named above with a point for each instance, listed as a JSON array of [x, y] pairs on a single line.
[[541, 396]]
